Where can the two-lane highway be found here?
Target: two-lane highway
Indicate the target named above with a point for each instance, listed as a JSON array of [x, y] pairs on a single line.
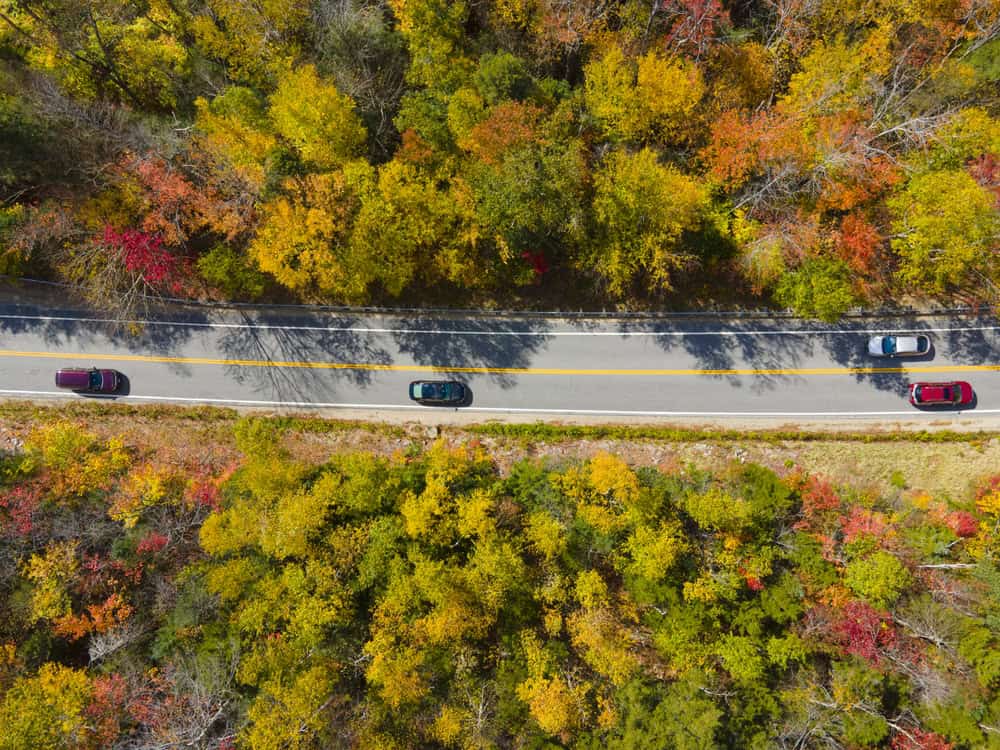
[[779, 368]]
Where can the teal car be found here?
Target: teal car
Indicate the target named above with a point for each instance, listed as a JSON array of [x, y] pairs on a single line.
[[438, 392]]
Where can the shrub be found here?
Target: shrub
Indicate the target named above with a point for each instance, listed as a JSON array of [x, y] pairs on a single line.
[[819, 288], [879, 578], [232, 273]]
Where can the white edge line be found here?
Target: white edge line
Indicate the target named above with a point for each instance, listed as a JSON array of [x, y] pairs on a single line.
[[515, 410], [429, 331]]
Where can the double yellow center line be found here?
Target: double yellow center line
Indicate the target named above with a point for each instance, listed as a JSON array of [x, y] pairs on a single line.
[[496, 370]]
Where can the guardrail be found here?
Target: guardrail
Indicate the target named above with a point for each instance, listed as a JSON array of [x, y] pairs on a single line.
[[581, 314]]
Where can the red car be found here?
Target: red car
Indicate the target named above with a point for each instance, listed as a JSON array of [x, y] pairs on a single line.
[[89, 381], [957, 393]]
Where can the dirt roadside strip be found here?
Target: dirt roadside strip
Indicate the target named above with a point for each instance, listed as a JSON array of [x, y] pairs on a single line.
[[459, 418]]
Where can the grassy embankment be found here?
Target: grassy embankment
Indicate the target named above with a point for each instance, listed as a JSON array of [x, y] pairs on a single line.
[[932, 460]]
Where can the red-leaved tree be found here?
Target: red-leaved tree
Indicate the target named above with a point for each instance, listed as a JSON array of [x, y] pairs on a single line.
[[124, 272], [858, 242], [918, 739], [537, 262], [151, 544], [986, 171], [863, 522], [865, 632], [106, 709], [963, 523], [695, 25], [820, 502], [144, 257], [18, 506]]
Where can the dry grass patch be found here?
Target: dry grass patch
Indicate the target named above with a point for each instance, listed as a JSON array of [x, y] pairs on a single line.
[[953, 468]]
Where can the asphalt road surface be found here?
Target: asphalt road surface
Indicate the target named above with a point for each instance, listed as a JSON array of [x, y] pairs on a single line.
[[717, 368]]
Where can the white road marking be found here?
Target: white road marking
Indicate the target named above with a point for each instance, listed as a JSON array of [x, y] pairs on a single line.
[[430, 331], [514, 410]]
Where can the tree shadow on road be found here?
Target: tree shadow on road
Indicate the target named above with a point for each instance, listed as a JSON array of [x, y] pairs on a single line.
[[973, 347], [290, 347], [738, 345], [449, 344], [80, 330]]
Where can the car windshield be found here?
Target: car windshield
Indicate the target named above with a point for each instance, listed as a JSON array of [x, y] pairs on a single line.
[[95, 380], [889, 345]]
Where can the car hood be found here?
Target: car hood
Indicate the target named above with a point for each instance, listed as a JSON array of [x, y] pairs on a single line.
[[966, 392]]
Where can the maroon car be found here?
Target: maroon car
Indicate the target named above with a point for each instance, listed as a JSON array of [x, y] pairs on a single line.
[[956, 393], [89, 381]]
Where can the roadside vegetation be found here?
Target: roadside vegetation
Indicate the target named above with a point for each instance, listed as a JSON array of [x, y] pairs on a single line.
[[258, 589], [533, 153]]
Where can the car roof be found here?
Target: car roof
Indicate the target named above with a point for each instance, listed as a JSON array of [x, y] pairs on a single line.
[[73, 375], [936, 391], [912, 343]]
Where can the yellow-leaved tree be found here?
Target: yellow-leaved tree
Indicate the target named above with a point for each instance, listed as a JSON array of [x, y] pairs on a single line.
[[78, 461], [303, 237], [609, 92], [556, 703], [47, 710], [290, 713], [642, 208], [605, 643], [947, 230], [837, 74], [668, 90], [435, 35], [654, 550], [51, 575], [250, 37], [653, 97], [317, 119], [412, 226], [233, 128]]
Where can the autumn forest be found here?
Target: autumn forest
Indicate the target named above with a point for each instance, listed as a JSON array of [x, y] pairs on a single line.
[[191, 578], [811, 154], [458, 593]]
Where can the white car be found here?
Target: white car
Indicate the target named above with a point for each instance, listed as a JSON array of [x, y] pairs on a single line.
[[898, 346]]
